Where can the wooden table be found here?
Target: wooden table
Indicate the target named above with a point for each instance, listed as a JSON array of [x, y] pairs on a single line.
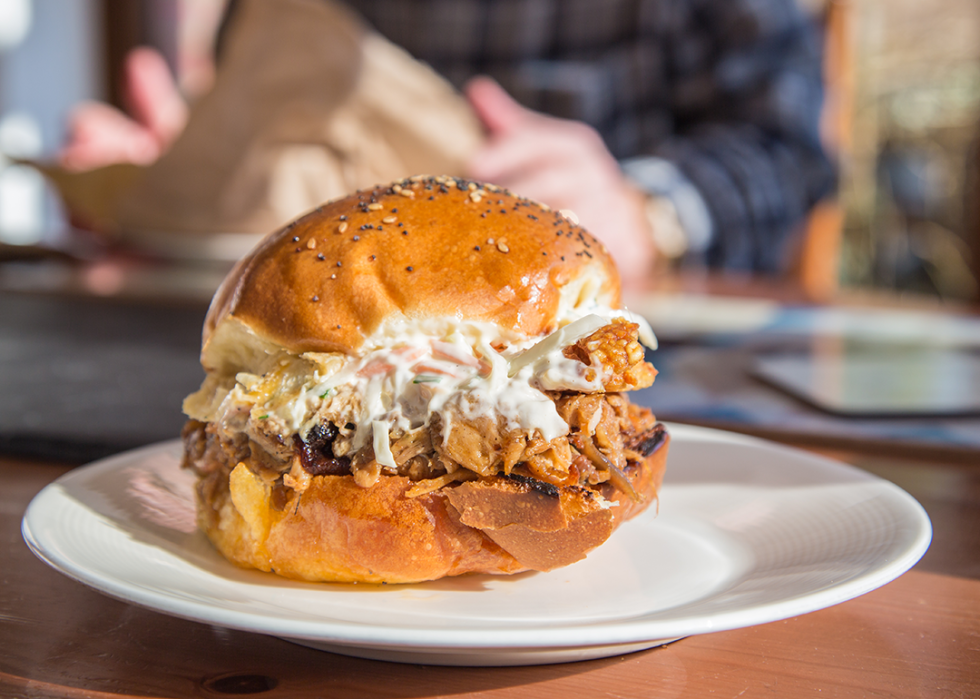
[[919, 636]]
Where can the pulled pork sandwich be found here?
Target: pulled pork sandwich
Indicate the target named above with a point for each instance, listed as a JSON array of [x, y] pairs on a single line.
[[422, 380]]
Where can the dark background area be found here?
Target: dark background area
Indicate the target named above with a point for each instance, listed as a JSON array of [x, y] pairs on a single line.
[[84, 378]]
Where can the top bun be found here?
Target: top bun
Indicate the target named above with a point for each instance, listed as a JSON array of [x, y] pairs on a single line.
[[424, 247]]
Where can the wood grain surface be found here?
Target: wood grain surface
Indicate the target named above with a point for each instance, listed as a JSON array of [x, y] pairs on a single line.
[[919, 636]]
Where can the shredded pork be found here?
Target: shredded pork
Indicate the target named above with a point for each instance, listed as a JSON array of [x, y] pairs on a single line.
[[616, 355], [607, 436]]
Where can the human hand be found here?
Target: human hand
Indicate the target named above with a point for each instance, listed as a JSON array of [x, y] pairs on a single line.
[[100, 135], [565, 165]]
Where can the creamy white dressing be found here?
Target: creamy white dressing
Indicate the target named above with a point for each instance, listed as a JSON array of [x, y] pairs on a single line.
[[409, 372], [564, 336]]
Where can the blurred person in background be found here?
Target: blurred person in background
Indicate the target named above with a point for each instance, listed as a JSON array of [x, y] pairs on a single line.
[[674, 129]]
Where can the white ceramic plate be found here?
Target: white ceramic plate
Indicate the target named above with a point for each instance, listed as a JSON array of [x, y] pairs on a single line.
[[748, 532]]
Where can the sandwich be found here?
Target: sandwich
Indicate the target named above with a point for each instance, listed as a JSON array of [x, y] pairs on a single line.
[[421, 380]]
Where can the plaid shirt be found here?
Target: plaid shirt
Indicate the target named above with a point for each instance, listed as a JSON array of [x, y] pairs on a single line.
[[713, 103]]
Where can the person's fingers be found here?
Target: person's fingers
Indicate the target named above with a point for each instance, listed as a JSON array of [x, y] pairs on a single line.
[[89, 155], [551, 185], [94, 118], [505, 160], [154, 98], [498, 111], [99, 135], [529, 147]]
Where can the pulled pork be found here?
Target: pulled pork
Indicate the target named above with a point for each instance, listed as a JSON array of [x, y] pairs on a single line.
[[608, 436], [616, 352]]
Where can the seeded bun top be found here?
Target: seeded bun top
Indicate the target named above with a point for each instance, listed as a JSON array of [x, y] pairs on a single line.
[[424, 247]]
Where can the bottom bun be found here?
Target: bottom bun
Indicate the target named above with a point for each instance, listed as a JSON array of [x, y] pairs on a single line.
[[337, 531]]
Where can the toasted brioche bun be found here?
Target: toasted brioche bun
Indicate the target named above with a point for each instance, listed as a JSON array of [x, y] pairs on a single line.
[[432, 249], [337, 531]]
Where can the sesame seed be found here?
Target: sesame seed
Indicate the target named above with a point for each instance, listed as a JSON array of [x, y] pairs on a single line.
[[343, 217], [316, 298], [394, 211], [333, 276], [476, 197], [503, 247], [389, 219], [471, 186], [477, 248], [342, 227], [532, 217], [409, 268], [373, 257], [408, 193], [356, 238], [339, 263], [397, 189], [489, 241], [320, 256], [295, 238], [338, 327], [375, 207]]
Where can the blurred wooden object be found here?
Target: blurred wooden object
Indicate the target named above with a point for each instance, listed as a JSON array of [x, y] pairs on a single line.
[[818, 262]]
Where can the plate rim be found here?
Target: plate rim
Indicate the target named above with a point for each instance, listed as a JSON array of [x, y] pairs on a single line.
[[575, 634]]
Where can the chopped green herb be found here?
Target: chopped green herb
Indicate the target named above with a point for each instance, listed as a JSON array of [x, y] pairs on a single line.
[[427, 378], [326, 393], [263, 417]]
